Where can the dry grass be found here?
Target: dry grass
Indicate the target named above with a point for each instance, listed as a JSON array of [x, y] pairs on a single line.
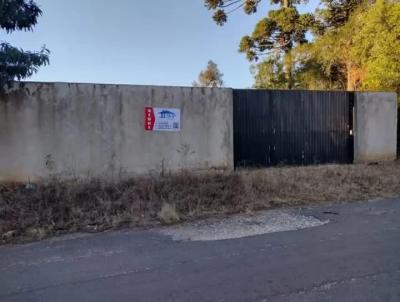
[[168, 214], [54, 207], [304, 185]]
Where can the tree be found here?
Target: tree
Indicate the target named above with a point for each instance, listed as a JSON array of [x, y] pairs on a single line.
[[210, 77], [311, 73], [376, 45], [281, 37], [307, 73], [364, 48], [15, 63], [336, 13], [269, 74], [274, 36], [335, 28]]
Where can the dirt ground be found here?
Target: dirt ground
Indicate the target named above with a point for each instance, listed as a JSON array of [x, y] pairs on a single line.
[[35, 211]]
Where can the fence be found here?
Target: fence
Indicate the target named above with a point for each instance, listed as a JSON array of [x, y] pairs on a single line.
[[93, 130]]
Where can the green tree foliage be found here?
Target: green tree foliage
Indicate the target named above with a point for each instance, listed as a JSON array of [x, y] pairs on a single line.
[[332, 52], [269, 74], [376, 45], [16, 63], [307, 73], [210, 77], [335, 13], [324, 64], [334, 30], [274, 36], [364, 51], [356, 44]]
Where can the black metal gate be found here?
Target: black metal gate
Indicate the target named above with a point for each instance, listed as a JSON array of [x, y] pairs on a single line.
[[273, 127]]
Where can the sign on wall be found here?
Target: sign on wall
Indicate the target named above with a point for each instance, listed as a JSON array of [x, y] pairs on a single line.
[[162, 119]]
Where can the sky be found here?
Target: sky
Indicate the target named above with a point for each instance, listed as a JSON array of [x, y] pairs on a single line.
[[164, 42]]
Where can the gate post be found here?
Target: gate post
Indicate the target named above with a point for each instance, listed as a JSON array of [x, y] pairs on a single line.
[[375, 125]]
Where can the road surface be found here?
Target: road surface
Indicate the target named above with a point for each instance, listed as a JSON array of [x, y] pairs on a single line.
[[354, 257]]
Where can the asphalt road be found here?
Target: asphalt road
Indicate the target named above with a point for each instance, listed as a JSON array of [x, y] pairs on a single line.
[[355, 257]]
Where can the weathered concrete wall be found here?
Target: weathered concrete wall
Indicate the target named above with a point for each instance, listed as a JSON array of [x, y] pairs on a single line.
[[88, 130], [375, 125]]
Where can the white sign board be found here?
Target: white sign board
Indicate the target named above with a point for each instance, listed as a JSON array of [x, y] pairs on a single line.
[[162, 119]]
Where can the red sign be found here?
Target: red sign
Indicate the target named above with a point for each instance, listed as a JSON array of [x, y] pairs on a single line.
[[149, 119]]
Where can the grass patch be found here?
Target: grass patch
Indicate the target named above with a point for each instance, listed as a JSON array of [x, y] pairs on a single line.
[[54, 207], [168, 214]]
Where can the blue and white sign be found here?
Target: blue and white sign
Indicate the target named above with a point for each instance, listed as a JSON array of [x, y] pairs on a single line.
[[162, 119]]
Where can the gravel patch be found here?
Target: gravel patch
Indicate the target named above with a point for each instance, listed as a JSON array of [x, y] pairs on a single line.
[[243, 225]]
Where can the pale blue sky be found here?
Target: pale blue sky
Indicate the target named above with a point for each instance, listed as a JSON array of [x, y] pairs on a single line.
[[164, 42]]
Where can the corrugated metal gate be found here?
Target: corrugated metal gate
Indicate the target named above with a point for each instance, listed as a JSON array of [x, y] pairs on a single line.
[[273, 127]]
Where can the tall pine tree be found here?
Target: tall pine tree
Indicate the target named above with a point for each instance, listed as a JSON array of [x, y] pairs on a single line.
[[274, 36]]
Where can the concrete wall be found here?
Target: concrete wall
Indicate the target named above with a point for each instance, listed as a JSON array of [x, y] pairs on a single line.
[[89, 130], [375, 126]]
